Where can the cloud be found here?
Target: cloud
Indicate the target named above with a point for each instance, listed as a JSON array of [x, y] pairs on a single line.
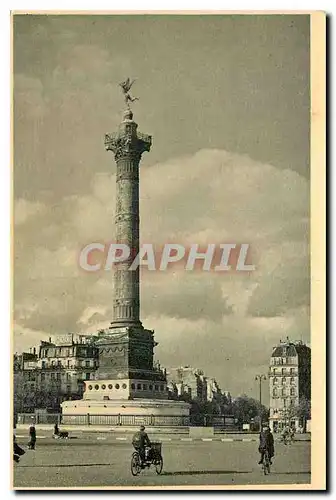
[[185, 295], [23, 209], [200, 318], [287, 287]]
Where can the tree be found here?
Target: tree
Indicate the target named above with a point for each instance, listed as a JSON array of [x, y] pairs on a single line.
[[244, 409], [303, 410]]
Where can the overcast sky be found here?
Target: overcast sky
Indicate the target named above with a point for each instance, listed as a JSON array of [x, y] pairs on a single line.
[[226, 99]]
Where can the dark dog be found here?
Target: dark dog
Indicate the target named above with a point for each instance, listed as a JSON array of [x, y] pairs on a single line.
[[61, 435]]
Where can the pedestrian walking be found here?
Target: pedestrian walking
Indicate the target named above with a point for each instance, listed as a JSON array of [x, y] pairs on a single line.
[[32, 435], [56, 430]]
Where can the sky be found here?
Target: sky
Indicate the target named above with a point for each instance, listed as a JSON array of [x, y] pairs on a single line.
[[227, 101]]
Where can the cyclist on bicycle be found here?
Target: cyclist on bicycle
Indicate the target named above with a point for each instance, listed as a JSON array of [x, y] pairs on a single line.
[[285, 434], [140, 441], [266, 443], [292, 433]]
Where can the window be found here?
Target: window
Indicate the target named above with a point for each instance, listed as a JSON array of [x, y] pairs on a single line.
[[52, 375], [133, 386], [161, 388], [275, 381], [283, 371], [292, 391], [117, 386], [145, 387], [156, 387], [42, 377], [139, 386], [87, 376], [292, 371], [43, 364], [103, 386], [96, 387], [293, 402], [283, 380], [150, 387], [110, 386], [283, 392], [58, 376], [275, 393], [87, 363], [124, 386], [292, 381], [90, 387], [68, 376]]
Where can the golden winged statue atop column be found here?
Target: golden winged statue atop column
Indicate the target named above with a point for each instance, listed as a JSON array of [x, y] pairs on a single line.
[[126, 87]]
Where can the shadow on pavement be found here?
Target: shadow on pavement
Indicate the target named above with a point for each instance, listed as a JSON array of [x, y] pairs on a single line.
[[201, 472], [64, 465], [293, 473]]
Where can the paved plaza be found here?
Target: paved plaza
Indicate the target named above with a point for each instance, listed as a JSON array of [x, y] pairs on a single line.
[[95, 462]]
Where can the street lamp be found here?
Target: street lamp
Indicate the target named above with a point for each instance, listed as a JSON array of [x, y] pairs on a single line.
[[260, 378]]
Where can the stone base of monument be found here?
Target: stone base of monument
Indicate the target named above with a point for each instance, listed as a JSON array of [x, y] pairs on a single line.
[[124, 413]]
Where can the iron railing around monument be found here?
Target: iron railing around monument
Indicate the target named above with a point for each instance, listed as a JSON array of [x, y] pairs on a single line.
[[218, 421]]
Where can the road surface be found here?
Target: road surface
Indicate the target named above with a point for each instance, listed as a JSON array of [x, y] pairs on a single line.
[[94, 463]]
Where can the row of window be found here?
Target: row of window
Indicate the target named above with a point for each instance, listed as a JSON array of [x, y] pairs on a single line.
[[139, 387], [69, 351], [283, 361], [284, 371], [55, 376], [277, 410], [70, 364], [283, 392], [284, 380], [67, 376]]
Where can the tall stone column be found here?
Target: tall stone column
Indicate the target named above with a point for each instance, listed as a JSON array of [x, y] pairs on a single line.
[[127, 145]]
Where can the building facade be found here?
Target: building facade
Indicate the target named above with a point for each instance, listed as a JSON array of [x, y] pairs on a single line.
[[55, 373], [192, 385], [289, 383]]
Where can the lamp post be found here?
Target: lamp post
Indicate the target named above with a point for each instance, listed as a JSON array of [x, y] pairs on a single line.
[[260, 378]]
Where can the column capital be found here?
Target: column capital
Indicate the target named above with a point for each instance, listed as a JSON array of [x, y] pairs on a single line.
[[127, 142]]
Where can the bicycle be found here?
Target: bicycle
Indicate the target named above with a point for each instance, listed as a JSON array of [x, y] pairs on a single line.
[[266, 463], [153, 457], [287, 439]]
